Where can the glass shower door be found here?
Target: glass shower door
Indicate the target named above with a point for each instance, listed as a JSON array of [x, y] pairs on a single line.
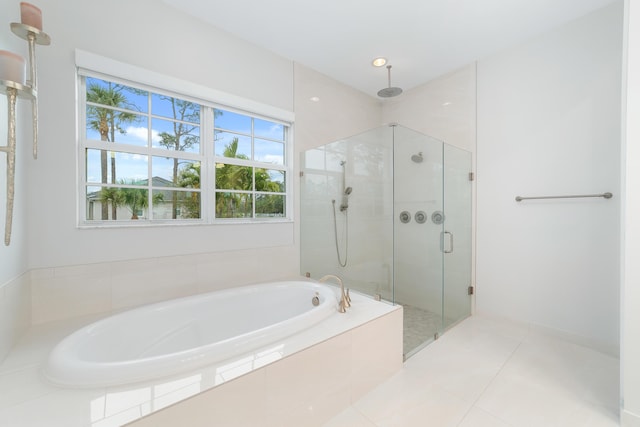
[[418, 200], [456, 235]]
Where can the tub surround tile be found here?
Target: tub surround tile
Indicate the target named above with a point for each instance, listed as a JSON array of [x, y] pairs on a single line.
[[25, 384], [59, 292], [96, 270], [323, 374], [161, 283], [70, 296], [37, 342], [309, 387], [375, 354], [240, 403], [15, 312], [300, 381], [314, 413]]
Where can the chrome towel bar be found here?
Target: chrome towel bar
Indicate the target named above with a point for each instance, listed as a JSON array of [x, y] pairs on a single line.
[[578, 196]]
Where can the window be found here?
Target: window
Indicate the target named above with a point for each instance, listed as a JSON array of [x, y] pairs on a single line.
[[153, 157], [245, 186]]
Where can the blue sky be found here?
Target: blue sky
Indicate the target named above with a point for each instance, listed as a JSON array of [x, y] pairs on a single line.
[[228, 125]]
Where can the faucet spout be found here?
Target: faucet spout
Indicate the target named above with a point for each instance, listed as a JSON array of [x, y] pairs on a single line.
[[344, 297]]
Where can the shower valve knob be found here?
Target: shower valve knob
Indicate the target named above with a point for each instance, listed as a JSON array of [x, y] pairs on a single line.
[[405, 217], [421, 217]]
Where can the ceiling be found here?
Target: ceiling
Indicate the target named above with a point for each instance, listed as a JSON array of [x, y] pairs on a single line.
[[422, 39]]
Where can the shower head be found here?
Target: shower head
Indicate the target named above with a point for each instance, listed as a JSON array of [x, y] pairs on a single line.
[[417, 158], [389, 92], [348, 191]]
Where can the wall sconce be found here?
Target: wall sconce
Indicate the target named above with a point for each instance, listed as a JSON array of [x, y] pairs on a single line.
[[14, 84]]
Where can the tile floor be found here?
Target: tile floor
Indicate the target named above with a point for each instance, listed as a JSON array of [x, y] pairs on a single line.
[[492, 373]]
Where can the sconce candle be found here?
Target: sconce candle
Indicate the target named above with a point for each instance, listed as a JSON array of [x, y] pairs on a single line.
[[12, 67], [31, 15]]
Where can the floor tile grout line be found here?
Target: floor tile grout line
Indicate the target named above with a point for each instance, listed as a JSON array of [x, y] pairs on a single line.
[[473, 405]]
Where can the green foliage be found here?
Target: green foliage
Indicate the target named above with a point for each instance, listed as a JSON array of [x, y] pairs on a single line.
[[189, 177]]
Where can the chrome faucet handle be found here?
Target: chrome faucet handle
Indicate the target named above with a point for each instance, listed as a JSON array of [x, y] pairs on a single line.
[[347, 298]]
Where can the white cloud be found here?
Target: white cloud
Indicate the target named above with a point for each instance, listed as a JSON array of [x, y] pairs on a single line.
[[141, 133]]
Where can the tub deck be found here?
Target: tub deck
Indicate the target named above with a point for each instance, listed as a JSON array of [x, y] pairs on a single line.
[[304, 379]]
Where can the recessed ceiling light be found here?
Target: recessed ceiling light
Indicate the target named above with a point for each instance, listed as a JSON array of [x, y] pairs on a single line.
[[314, 99], [379, 62]]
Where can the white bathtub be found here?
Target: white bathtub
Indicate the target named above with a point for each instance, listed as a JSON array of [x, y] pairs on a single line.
[[186, 333]]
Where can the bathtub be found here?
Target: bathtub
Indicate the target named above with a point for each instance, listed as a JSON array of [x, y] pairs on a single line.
[[186, 333]]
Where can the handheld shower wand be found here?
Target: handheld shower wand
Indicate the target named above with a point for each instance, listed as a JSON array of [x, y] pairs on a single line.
[[344, 208], [345, 199]]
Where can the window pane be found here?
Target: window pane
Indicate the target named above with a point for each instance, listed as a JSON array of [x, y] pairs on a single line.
[[117, 95], [234, 205], [173, 172], [270, 180], [176, 204], [232, 145], [266, 129], [116, 203], [175, 108], [106, 124], [175, 135], [231, 121], [268, 205], [233, 177], [115, 167], [269, 152]]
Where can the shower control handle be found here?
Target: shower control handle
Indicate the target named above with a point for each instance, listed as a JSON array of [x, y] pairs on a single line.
[[442, 247]]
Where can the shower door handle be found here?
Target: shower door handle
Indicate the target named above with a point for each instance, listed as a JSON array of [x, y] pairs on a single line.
[[442, 248]]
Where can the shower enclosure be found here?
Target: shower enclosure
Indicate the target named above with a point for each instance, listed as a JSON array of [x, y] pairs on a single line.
[[389, 210]]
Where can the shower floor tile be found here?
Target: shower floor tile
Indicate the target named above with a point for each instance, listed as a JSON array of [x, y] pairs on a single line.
[[420, 327]]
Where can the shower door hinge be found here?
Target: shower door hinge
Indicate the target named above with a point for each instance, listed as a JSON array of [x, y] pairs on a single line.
[[472, 176], [301, 174], [470, 290]]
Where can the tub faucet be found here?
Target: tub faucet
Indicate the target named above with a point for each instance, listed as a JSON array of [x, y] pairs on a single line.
[[345, 300]]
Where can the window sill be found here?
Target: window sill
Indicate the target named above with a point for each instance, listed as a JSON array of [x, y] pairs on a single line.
[[157, 224]]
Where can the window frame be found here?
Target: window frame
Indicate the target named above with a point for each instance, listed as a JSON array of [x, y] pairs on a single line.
[[207, 156]]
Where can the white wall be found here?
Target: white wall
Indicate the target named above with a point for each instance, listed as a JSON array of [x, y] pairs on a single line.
[[549, 124], [131, 32], [630, 346], [113, 269], [14, 289], [443, 108]]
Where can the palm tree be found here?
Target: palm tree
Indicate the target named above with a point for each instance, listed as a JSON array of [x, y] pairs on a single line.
[[190, 178], [110, 195], [188, 114], [106, 121], [232, 177], [136, 198]]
